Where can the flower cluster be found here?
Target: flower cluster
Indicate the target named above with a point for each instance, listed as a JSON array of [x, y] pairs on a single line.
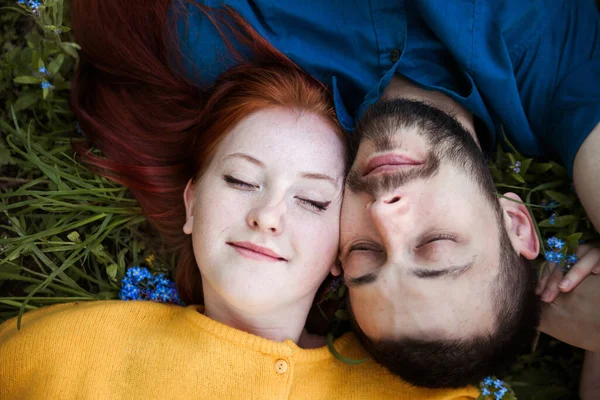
[[140, 284], [33, 4], [549, 206], [493, 388], [555, 243], [554, 256], [517, 167], [555, 252]]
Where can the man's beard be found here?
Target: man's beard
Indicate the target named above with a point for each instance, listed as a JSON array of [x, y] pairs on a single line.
[[449, 145]]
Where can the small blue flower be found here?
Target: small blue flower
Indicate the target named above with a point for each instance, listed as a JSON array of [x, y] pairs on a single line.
[[518, 164], [43, 70], [555, 243], [129, 292], [548, 206], [498, 383], [554, 256], [78, 128], [21, 1], [34, 4], [137, 274], [488, 381], [552, 219], [140, 284], [485, 391], [47, 85], [571, 259], [500, 393]]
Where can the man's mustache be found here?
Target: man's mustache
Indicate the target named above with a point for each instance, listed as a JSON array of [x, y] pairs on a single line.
[[375, 185]]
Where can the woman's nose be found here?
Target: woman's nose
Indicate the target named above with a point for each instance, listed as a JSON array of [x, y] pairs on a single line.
[[268, 217]]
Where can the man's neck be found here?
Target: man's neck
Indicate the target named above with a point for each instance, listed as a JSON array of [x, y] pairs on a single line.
[[402, 88], [277, 324]]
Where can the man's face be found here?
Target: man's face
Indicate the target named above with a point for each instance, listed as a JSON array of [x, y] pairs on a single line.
[[419, 232]]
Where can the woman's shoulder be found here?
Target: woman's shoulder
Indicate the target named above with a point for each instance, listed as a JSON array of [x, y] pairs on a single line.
[[88, 316]]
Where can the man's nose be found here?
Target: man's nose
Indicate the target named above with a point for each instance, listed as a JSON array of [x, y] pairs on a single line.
[[387, 213]]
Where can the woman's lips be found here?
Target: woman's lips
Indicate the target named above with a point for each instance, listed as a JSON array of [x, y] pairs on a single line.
[[389, 162], [255, 252]]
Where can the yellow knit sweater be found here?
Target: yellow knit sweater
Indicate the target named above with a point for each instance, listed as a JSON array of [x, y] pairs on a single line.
[[146, 350]]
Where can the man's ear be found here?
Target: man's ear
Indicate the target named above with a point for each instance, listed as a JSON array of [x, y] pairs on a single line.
[[519, 226], [189, 198], [336, 269]]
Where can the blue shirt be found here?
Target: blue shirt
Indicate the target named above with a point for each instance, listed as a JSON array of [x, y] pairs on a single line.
[[532, 67]]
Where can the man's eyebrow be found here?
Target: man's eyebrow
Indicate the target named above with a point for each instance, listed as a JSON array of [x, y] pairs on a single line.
[[362, 280], [247, 157], [451, 272]]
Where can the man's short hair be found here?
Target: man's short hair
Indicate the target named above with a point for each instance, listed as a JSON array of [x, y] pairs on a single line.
[[457, 363]]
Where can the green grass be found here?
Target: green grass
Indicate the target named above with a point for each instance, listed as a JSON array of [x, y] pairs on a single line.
[[69, 235]]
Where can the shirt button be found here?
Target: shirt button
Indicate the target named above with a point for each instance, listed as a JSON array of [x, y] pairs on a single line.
[[395, 55], [281, 366]]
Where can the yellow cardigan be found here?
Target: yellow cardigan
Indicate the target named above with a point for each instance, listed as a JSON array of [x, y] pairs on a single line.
[[146, 350]]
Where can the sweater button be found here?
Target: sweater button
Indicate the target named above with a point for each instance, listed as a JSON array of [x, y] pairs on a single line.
[[394, 55], [281, 366]]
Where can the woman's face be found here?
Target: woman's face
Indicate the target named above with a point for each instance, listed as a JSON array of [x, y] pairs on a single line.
[[264, 217]]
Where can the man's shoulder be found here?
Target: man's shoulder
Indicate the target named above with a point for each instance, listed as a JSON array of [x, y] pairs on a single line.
[[370, 377]]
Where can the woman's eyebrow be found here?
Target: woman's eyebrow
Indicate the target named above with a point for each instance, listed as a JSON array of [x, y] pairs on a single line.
[[313, 175], [248, 158]]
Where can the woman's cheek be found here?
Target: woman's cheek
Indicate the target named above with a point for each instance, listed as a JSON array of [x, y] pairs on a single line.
[[319, 238]]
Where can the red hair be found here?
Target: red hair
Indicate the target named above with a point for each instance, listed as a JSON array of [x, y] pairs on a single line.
[[156, 129]]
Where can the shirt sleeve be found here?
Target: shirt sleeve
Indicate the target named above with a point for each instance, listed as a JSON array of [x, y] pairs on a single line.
[[559, 78]]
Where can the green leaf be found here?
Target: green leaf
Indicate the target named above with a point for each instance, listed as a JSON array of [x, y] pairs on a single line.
[[37, 61], [55, 65], [559, 170], [540, 168], [70, 49], [525, 164], [111, 271], [74, 237], [45, 93], [561, 198], [5, 156], [517, 177], [560, 222], [342, 315], [575, 236], [26, 100], [27, 80], [573, 242]]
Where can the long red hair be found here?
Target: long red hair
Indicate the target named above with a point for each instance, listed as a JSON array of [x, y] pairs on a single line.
[[155, 128]]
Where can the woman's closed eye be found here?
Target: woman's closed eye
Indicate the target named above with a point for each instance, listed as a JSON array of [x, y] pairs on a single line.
[[318, 206], [239, 183]]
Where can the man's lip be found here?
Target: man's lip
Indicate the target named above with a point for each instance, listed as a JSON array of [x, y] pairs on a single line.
[[248, 249], [389, 162]]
